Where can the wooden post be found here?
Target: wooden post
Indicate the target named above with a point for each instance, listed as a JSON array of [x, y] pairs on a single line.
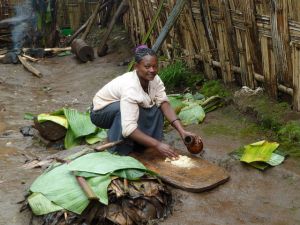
[[280, 41], [169, 24], [206, 50], [110, 27], [242, 56], [270, 83], [296, 76], [224, 46], [207, 27], [252, 35]]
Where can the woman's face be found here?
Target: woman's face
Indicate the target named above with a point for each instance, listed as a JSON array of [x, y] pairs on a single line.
[[147, 68]]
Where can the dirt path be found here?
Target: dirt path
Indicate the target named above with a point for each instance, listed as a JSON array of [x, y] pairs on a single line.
[[250, 197]]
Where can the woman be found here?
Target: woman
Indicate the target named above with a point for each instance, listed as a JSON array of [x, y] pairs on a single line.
[[133, 105]]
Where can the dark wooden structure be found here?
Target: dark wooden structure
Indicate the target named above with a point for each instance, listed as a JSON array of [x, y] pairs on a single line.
[[249, 42], [201, 177]]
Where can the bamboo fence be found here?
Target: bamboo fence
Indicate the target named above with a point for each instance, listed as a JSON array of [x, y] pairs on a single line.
[[249, 42]]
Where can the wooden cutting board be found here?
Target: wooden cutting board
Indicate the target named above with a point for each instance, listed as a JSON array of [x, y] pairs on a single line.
[[203, 176]]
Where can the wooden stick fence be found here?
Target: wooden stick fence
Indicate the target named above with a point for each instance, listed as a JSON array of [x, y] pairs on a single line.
[[258, 40]]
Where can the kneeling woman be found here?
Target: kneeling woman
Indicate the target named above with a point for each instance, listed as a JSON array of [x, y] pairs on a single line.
[[133, 106]]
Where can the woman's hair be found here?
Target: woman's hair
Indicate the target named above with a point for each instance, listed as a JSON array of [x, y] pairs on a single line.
[[142, 51]]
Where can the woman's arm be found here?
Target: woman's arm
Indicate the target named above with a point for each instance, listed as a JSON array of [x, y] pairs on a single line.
[[146, 140], [171, 116]]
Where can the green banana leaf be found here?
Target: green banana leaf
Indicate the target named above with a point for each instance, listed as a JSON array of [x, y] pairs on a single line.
[[212, 103], [59, 112], [275, 159], [60, 186], [176, 104], [80, 123], [29, 116], [259, 151], [70, 139], [40, 205], [191, 114], [85, 174], [198, 96], [104, 162], [100, 135], [129, 174], [99, 185], [61, 120], [189, 96]]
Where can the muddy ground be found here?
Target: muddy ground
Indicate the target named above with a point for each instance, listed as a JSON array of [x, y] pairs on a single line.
[[249, 197]]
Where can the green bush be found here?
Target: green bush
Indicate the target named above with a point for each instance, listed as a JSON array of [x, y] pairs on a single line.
[[174, 74], [178, 75], [214, 87], [290, 132]]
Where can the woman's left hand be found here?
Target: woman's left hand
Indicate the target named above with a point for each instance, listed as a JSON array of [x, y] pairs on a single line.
[[187, 133]]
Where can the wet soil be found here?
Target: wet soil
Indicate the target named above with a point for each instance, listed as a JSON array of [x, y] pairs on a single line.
[[249, 197]]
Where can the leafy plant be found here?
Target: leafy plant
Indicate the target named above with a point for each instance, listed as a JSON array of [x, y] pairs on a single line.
[[290, 132], [174, 74], [212, 88]]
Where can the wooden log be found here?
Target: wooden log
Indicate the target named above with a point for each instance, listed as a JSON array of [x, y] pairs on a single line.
[[258, 77], [110, 27], [169, 24], [30, 58], [83, 52], [86, 188], [107, 145], [29, 67], [53, 50], [57, 50]]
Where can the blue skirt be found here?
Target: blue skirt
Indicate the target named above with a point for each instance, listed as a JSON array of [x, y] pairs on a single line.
[[151, 121]]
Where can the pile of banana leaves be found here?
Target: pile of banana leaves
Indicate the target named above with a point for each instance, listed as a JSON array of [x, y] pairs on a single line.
[[77, 124], [115, 190], [261, 154], [191, 108]]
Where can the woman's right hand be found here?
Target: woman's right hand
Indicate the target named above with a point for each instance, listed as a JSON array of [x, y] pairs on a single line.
[[166, 150]]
